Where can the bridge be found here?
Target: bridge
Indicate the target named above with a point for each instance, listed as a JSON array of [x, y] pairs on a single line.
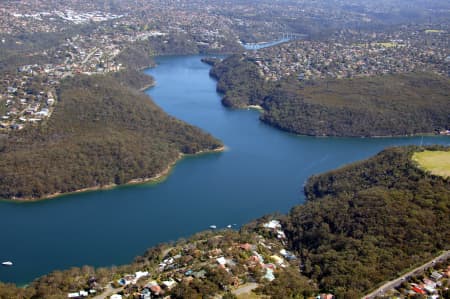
[[283, 38]]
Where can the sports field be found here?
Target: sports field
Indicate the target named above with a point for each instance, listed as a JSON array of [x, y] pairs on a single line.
[[436, 162]]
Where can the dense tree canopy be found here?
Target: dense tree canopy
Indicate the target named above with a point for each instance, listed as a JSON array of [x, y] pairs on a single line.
[[133, 78], [395, 104], [101, 132], [369, 221], [240, 82], [362, 224], [289, 284]]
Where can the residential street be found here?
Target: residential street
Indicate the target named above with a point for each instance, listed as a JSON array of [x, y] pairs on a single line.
[[109, 290], [396, 282], [247, 288]]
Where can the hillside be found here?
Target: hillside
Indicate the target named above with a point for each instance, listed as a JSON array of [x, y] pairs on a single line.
[[362, 225], [388, 105], [240, 82], [139, 55], [133, 78], [102, 132], [208, 264], [367, 222]]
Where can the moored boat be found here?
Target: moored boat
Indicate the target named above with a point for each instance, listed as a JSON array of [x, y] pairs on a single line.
[[7, 263]]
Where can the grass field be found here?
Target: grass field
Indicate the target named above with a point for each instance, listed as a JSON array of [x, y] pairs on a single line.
[[383, 44], [436, 162], [387, 44], [433, 31], [2, 107], [250, 295]]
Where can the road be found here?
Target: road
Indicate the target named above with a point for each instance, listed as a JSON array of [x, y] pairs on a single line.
[[108, 291], [89, 56], [396, 282], [247, 288]]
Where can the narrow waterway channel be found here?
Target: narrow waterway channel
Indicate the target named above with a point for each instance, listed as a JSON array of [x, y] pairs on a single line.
[[262, 171]]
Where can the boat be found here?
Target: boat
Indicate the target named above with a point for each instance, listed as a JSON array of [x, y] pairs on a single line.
[[212, 226], [7, 264]]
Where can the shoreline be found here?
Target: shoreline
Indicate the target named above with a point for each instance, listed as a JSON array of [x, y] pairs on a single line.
[[260, 109], [147, 86], [368, 137], [156, 178], [137, 181], [428, 134], [255, 107]]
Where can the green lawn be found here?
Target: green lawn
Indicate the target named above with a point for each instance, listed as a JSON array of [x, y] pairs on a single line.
[[2, 107], [250, 295], [387, 44], [436, 162], [384, 44]]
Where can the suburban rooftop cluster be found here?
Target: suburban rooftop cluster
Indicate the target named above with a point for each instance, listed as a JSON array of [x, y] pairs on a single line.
[[93, 49], [431, 284], [55, 40], [27, 100], [32, 86], [221, 257], [14, 21], [347, 56]]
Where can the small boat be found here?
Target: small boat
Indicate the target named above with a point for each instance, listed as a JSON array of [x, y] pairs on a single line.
[[7, 264], [212, 226], [229, 226]]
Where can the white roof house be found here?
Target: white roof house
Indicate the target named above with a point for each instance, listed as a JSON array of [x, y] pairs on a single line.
[[221, 260]]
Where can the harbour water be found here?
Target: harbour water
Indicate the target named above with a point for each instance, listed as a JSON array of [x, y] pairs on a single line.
[[262, 171]]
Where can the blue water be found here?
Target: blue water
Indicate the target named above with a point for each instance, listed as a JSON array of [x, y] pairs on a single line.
[[262, 171]]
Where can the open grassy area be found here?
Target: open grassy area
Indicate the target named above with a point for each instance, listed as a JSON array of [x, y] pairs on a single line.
[[2, 108], [387, 44], [383, 44], [437, 162], [251, 295]]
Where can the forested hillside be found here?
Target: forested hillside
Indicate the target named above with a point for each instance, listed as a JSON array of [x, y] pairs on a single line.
[[369, 221], [362, 225], [388, 105], [134, 79], [140, 55], [102, 132], [240, 82]]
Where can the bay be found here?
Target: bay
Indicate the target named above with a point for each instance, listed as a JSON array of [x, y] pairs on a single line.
[[262, 171]]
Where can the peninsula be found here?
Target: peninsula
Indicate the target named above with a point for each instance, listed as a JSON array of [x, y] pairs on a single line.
[[74, 117], [104, 133], [342, 87]]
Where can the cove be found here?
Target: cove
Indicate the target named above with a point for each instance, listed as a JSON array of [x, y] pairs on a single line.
[[262, 171]]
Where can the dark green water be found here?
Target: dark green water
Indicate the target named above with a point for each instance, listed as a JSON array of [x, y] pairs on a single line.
[[263, 171]]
